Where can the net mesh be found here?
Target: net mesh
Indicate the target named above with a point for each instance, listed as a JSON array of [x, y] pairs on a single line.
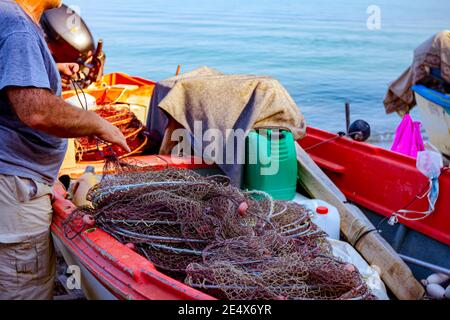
[[91, 149], [224, 241]]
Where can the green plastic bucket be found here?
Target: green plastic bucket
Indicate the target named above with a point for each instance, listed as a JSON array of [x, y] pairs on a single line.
[[271, 163]]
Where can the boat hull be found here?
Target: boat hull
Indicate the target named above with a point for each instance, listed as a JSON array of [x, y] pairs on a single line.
[[434, 109], [382, 182], [92, 287]]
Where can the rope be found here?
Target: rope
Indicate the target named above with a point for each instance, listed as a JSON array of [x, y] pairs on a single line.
[[77, 87], [340, 134], [363, 235], [403, 212]]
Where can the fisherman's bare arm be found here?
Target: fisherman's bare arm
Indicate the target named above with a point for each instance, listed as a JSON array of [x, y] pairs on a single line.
[[40, 109]]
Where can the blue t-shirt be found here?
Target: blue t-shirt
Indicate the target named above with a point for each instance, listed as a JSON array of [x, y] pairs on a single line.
[[25, 61]]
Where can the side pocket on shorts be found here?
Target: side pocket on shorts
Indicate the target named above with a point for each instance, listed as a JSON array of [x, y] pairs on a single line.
[[8, 279], [26, 189], [27, 269], [26, 263]]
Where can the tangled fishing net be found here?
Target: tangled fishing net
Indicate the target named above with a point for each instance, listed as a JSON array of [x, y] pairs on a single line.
[[224, 241], [92, 149]]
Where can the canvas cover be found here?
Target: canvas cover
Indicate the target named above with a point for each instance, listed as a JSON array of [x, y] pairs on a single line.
[[223, 102], [432, 54]]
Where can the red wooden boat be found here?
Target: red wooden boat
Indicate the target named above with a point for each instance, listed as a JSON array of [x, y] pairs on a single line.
[[379, 181]]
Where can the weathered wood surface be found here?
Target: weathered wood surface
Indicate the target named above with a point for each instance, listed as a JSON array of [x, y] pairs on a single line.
[[376, 250]]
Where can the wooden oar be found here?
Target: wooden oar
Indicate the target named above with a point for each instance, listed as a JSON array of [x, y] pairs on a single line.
[[378, 253]]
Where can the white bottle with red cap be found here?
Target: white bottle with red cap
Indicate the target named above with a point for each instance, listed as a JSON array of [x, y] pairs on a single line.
[[325, 216]]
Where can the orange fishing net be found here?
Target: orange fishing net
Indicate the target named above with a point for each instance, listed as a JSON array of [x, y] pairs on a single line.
[[91, 149]]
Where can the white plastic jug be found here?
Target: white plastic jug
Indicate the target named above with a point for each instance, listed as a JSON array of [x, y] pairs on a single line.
[[325, 216], [80, 102], [81, 188]]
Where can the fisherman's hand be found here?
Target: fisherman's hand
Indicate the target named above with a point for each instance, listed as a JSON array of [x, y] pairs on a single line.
[[67, 71], [110, 133]]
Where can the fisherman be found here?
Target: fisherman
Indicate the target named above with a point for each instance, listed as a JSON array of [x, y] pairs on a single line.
[[34, 122]]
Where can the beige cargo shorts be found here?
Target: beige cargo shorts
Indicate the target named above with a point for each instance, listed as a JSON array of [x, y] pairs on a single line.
[[27, 258]]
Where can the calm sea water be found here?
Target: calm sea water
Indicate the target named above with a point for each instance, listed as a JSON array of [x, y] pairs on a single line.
[[321, 50]]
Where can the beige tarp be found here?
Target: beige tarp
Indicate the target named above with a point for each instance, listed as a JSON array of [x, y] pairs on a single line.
[[223, 102], [433, 53]]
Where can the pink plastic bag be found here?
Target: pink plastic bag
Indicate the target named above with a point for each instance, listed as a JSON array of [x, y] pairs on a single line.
[[408, 139]]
